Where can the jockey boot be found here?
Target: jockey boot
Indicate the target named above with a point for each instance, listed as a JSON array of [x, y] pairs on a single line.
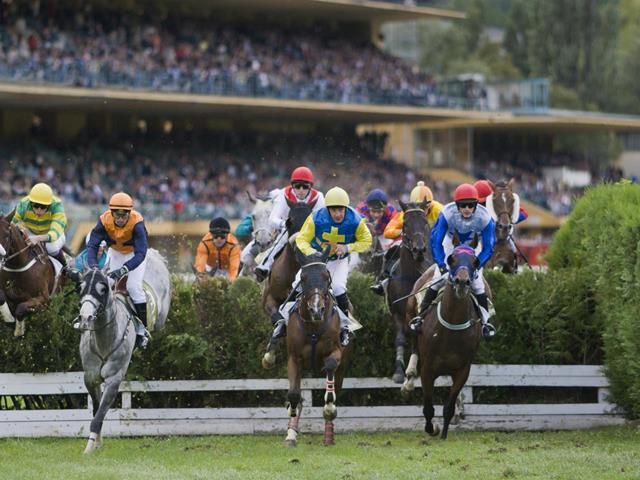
[[488, 330], [69, 272], [343, 304], [277, 320], [429, 297], [261, 272], [379, 287], [142, 336]]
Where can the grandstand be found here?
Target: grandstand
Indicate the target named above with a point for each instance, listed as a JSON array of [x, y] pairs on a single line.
[[188, 104]]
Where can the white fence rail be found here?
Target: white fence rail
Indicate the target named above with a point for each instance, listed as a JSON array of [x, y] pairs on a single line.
[[129, 421]]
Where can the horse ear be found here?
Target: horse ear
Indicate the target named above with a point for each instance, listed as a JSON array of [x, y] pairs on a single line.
[[476, 262], [252, 199], [9, 217], [456, 239], [493, 185], [424, 204], [403, 205], [289, 202], [313, 203], [325, 254], [301, 257], [474, 242], [450, 260], [511, 183]]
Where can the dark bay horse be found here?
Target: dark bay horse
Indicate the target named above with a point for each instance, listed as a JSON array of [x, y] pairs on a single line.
[[371, 260], [283, 272], [27, 276], [504, 206], [415, 258], [313, 339], [450, 335]]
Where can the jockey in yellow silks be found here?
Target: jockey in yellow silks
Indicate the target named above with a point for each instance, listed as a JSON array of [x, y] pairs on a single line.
[[123, 229], [42, 214], [344, 230], [393, 231]]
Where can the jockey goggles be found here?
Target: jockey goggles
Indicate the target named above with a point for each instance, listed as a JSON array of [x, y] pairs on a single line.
[[303, 185], [39, 206], [119, 213], [219, 234], [467, 204]]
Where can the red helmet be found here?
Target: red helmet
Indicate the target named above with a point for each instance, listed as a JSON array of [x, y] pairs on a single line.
[[302, 174], [484, 190], [465, 191]]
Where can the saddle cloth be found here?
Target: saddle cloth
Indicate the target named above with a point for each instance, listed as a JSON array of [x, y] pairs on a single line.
[[152, 301]]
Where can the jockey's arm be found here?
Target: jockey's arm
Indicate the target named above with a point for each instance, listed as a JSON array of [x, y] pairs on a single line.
[[394, 227], [438, 233], [280, 212], [434, 213], [304, 238], [234, 262], [58, 222], [97, 235], [140, 246], [202, 255], [488, 242], [363, 238]]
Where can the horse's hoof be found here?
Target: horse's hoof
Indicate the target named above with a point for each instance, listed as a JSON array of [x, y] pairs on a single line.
[[268, 360], [407, 391], [329, 443], [20, 329], [290, 443], [98, 442], [91, 444], [436, 430], [398, 377]]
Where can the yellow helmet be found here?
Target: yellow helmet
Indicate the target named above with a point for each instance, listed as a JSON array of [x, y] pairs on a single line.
[[121, 201], [336, 197], [41, 193], [421, 192]]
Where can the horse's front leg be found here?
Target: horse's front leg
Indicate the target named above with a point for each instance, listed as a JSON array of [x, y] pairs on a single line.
[[459, 379], [398, 374], [410, 376], [427, 408], [111, 385], [92, 382], [5, 311], [294, 400], [23, 310], [330, 411]]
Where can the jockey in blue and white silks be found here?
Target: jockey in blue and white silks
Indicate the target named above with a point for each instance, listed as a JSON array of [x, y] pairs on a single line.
[[466, 219]]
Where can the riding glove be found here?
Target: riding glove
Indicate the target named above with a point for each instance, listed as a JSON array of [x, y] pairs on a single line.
[[117, 274], [443, 269]]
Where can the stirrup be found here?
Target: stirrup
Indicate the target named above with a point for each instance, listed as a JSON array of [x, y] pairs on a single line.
[[377, 288], [280, 329], [261, 273], [488, 330], [344, 337], [416, 323], [142, 341]]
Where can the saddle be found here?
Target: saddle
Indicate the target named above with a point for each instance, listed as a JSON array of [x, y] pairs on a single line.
[[152, 301], [288, 307]]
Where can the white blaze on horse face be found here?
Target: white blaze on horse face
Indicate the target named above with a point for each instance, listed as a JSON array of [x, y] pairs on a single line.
[[3, 252], [87, 309]]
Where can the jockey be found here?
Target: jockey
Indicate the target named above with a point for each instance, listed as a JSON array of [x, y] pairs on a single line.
[[467, 219], [377, 211], [219, 249], [82, 262], [343, 229], [123, 229], [42, 214], [299, 191], [393, 231]]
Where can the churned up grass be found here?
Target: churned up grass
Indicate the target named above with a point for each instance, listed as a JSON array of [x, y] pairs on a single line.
[[610, 453]]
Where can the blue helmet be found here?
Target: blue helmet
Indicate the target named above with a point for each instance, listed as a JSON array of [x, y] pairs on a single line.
[[377, 198]]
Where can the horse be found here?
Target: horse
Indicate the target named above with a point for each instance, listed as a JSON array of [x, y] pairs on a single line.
[[371, 260], [504, 207], [415, 258], [263, 232], [449, 337], [27, 275], [285, 266], [313, 338], [108, 334]]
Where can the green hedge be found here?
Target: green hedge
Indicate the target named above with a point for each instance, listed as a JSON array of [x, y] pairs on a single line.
[[600, 244]]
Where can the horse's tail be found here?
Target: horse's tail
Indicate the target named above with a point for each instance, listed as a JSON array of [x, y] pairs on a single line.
[[158, 277]]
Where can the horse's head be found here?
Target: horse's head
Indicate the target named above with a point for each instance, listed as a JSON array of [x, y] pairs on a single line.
[[298, 213], [263, 231], [504, 207], [463, 266], [315, 281], [95, 295], [12, 240], [415, 228]]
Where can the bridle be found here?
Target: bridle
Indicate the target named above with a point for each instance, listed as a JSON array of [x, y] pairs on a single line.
[[407, 242], [4, 258]]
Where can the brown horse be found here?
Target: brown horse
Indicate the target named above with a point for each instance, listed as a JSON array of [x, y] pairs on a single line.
[[313, 339], [450, 335], [415, 258], [504, 207], [27, 276]]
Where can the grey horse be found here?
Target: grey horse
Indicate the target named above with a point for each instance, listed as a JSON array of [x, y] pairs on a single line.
[[108, 335]]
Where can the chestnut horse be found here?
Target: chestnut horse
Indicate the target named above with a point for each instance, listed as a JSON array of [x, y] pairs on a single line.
[[449, 336], [415, 258], [27, 276], [504, 207], [313, 338]]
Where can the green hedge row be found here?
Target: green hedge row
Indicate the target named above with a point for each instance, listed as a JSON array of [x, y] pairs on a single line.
[[217, 330], [600, 244]]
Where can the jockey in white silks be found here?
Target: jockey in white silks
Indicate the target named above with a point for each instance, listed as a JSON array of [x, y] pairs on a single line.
[[300, 190], [465, 218]]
